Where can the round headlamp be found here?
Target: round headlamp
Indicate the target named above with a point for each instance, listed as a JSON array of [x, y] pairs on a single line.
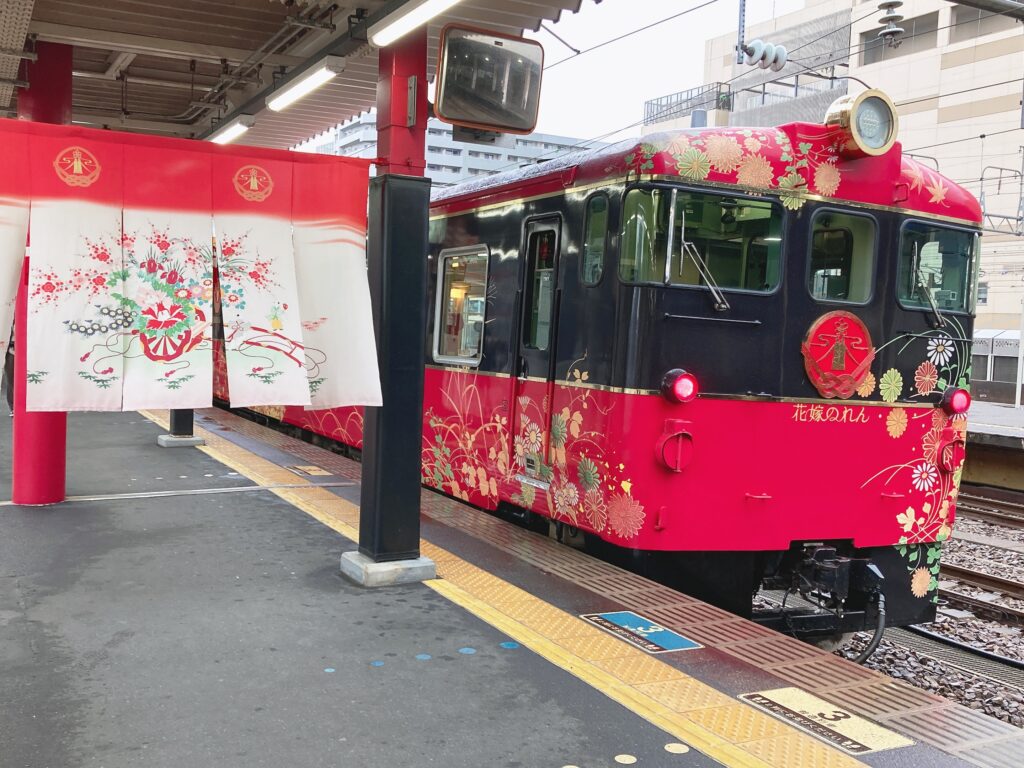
[[869, 120]]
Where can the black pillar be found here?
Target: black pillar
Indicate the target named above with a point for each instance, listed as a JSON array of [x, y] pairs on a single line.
[[181, 422], [389, 512]]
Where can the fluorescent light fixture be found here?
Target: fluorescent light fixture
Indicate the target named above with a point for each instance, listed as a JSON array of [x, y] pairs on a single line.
[[403, 21], [232, 130], [306, 83]]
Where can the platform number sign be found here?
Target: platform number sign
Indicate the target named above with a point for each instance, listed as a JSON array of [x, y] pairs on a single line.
[[848, 732], [640, 631]]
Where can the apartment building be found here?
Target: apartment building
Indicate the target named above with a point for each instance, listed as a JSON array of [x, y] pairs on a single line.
[[448, 160]]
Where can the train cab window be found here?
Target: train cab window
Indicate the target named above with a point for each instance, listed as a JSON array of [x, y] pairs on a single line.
[[461, 304], [842, 257], [540, 286], [595, 239], [734, 243], [937, 267]]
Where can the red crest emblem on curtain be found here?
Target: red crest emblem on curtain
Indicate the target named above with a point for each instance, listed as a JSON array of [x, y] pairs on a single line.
[[253, 183], [77, 167], [837, 354]]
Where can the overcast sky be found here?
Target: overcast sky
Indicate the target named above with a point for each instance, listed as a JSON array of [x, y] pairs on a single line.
[[605, 90]]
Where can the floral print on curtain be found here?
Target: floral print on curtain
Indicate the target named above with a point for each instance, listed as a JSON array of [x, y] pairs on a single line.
[[334, 298], [76, 337], [132, 236], [263, 344], [166, 284]]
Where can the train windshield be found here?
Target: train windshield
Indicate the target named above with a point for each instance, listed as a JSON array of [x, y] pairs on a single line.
[[701, 239], [937, 267]]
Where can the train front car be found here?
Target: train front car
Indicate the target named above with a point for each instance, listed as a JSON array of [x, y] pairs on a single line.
[[729, 358]]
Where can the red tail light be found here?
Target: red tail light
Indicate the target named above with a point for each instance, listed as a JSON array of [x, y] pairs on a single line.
[[678, 386], [956, 401]]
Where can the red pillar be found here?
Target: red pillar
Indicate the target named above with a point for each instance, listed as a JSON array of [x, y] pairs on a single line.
[[40, 439], [401, 136]]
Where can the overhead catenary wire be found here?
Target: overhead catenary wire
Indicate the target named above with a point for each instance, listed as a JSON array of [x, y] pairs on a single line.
[[847, 52], [624, 35]]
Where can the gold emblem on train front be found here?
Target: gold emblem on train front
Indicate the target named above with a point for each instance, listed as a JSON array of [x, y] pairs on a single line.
[[77, 167], [837, 354], [253, 183]]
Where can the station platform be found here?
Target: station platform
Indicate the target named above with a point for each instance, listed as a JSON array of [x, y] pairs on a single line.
[[185, 608], [995, 444], [996, 424]]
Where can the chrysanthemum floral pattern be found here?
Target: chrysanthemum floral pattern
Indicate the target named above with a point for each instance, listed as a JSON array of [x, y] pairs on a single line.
[[928, 479], [758, 158]]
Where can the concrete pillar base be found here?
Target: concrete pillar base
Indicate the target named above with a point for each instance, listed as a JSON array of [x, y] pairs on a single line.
[[362, 570], [179, 441]]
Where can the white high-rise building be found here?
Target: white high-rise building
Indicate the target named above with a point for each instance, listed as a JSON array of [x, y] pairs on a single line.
[[449, 161]]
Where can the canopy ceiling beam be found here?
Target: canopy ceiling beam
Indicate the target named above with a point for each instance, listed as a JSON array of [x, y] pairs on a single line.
[[150, 46]]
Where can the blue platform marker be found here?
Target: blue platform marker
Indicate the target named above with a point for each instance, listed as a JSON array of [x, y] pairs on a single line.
[[641, 632], [467, 651], [328, 669], [423, 657], [509, 645], [376, 663]]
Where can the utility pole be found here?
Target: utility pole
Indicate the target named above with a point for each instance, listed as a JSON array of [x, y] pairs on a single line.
[[741, 32], [1020, 358]]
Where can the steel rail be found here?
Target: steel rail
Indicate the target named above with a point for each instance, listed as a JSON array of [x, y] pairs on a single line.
[[1000, 511], [963, 647], [988, 606]]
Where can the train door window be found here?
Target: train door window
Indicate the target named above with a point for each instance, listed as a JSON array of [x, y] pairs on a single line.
[[937, 269], [595, 239], [540, 287], [842, 257], [461, 305]]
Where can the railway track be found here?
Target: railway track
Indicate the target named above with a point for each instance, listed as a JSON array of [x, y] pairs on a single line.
[[1002, 511], [989, 581], [986, 581]]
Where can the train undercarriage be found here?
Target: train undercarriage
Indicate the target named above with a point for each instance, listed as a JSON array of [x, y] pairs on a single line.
[[820, 592]]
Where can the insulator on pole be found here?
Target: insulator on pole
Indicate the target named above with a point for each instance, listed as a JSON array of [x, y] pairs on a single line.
[[891, 33], [765, 55]]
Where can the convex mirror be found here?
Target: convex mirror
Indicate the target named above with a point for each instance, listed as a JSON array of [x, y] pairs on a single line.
[[488, 80]]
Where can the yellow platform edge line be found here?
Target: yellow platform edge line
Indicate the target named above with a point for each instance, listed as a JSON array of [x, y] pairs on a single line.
[[662, 717], [678, 725]]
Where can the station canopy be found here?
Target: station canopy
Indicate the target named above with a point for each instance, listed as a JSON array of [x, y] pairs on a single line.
[[182, 67]]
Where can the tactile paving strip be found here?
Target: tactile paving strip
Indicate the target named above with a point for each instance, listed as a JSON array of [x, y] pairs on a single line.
[[979, 739]]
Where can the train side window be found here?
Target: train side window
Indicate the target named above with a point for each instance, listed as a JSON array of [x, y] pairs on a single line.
[[461, 305], [540, 288], [842, 257], [644, 235], [595, 239]]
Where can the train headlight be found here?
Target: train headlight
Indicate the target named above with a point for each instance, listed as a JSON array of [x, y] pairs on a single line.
[[869, 120], [956, 401], [678, 386]]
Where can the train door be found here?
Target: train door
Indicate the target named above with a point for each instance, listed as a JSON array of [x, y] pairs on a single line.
[[536, 354]]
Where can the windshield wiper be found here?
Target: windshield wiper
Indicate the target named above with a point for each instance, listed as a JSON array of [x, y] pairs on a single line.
[[940, 322], [686, 248]]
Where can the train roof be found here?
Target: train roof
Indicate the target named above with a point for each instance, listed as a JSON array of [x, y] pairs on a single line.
[[795, 162]]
